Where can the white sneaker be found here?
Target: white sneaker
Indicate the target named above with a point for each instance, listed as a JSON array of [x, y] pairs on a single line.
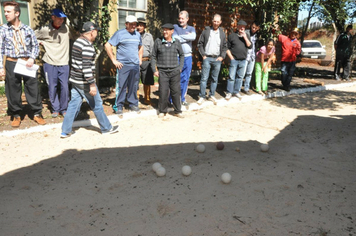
[[238, 95], [213, 99], [179, 115], [228, 96], [64, 135], [200, 101], [113, 129], [161, 115]]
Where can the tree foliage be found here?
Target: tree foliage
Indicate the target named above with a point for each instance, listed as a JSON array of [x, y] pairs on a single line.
[[78, 12], [271, 12]]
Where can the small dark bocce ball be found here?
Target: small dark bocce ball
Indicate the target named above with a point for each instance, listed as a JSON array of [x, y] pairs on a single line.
[[220, 146]]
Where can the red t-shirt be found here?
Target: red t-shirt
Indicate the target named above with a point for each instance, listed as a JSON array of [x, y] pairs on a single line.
[[290, 49]]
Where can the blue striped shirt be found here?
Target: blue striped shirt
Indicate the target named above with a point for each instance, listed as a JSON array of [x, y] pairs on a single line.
[[126, 44], [8, 46]]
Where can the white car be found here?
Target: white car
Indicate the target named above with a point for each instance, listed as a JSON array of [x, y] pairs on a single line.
[[313, 49]]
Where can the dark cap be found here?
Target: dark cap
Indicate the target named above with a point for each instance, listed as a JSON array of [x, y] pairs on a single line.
[[141, 20], [242, 22], [89, 26], [168, 26], [58, 13]]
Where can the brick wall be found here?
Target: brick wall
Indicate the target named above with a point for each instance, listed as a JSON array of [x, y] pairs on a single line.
[[201, 13]]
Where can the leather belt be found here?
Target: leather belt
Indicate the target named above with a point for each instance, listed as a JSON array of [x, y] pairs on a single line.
[[15, 59], [146, 58], [213, 56]]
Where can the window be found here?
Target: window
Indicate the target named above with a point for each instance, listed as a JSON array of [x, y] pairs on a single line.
[[24, 16], [137, 8]]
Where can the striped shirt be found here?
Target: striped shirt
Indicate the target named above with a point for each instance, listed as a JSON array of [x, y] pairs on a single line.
[[83, 62], [8, 44]]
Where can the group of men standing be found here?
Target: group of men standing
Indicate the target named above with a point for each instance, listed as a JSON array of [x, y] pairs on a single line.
[[137, 56]]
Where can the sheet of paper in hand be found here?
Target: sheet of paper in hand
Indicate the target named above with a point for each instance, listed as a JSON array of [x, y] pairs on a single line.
[[22, 69]]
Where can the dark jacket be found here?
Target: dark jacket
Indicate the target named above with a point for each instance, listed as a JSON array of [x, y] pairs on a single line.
[[204, 37]]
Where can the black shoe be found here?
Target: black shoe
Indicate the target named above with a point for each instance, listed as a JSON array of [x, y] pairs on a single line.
[[119, 112], [287, 88], [246, 92], [135, 109]]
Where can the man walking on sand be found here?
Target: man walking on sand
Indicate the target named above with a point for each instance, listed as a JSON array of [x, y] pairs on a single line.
[[18, 41], [212, 47], [55, 39], [82, 78], [186, 35], [129, 52]]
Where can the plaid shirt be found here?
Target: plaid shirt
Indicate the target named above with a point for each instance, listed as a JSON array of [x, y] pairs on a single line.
[[8, 47], [167, 55]]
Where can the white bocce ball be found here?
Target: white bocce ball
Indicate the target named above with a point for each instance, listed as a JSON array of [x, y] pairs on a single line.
[[186, 170], [226, 178], [264, 147], [161, 171], [200, 148], [155, 166]]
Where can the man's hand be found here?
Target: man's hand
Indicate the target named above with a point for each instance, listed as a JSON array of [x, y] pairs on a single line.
[[30, 62], [117, 64], [93, 89], [156, 74], [219, 59], [2, 72]]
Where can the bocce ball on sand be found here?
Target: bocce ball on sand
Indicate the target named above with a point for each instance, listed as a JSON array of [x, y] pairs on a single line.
[[186, 170], [161, 171], [200, 148], [226, 178], [220, 145], [264, 147], [155, 166]]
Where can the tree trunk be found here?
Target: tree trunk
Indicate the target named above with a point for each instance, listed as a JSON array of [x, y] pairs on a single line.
[[334, 38]]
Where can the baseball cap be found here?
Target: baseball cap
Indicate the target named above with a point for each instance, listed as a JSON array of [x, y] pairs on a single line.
[[295, 30], [58, 12], [141, 20], [131, 19], [89, 26], [168, 26]]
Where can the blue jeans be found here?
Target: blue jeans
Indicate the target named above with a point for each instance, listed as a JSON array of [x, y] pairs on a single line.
[[95, 103], [236, 75], [287, 69], [127, 79], [208, 63], [250, 65]]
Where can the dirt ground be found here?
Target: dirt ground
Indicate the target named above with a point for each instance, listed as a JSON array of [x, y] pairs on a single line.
[[93, 184]]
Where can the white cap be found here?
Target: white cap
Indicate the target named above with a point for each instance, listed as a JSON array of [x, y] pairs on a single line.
[[131, 19]]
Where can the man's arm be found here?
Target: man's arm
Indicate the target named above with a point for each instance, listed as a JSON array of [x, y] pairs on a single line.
[[154, 59], [140, 53], [200, 44], [112, 57], [35, 49]]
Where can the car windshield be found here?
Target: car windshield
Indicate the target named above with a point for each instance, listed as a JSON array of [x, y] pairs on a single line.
[[311, 45]]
